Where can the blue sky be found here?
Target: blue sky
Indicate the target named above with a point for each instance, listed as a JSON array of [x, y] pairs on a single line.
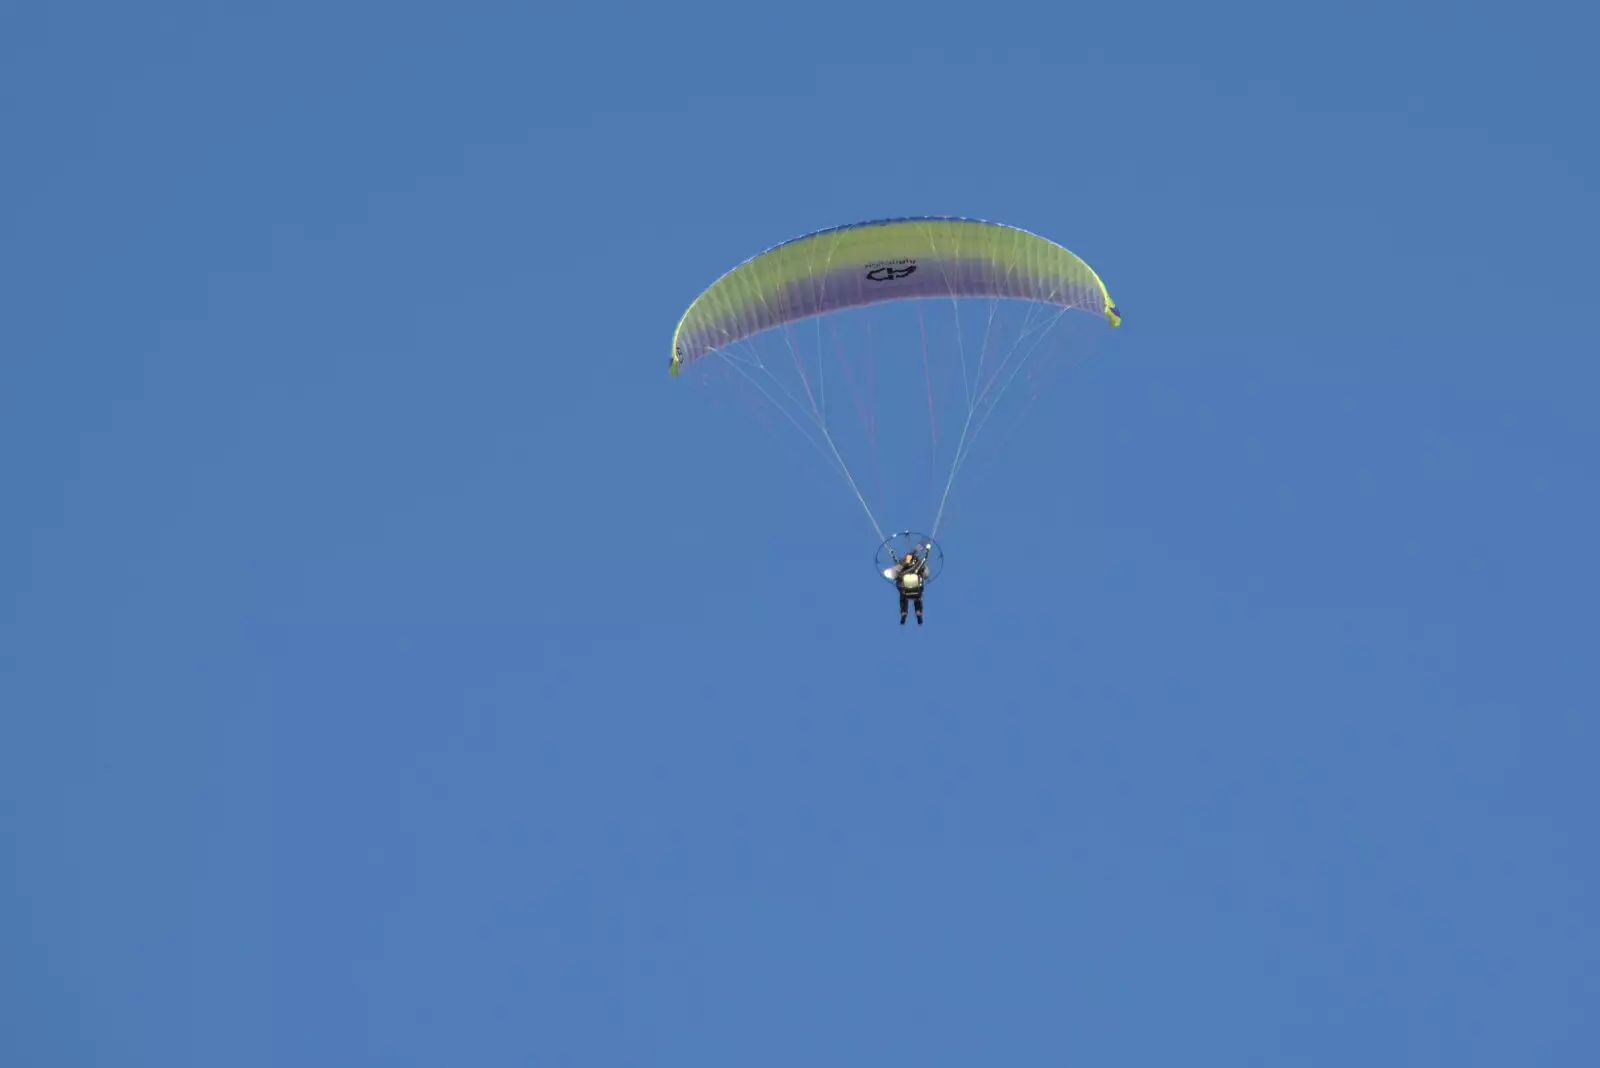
[[392, 671]]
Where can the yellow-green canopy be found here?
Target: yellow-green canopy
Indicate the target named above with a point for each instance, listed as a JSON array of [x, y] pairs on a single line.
[[891, 259]]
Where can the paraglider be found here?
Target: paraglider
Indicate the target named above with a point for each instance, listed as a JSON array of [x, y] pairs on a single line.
[[856, 277], [912, 565], [909, 574]]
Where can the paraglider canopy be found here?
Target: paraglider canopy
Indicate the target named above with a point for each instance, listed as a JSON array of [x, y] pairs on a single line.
[[885, 260]]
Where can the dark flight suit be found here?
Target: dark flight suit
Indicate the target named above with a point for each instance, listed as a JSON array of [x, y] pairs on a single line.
[[919, 568]]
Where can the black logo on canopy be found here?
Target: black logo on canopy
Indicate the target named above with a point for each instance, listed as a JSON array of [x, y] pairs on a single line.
[[888, 272]]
